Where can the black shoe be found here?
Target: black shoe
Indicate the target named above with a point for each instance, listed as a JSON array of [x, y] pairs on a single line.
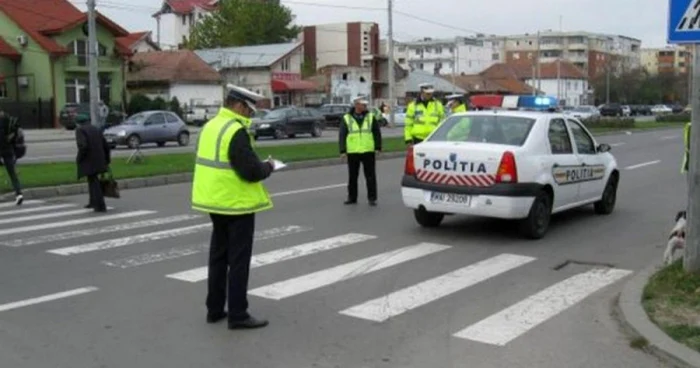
[[216, 317], [89, 206], [350, 202], [248, 323], [100, 209], [373, 203]]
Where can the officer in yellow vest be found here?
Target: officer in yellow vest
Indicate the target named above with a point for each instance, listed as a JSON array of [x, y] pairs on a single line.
[[455, 103], [459, 131], [686, 151], [360, 139], [423, 115], [228, 186]]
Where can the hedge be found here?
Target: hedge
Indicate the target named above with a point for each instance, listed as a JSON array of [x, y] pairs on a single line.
[[609, 123], [683, 117]]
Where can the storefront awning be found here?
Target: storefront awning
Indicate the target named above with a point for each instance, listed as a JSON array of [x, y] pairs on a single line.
[[279, 85]]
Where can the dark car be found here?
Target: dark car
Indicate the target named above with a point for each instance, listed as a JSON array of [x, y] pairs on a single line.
[[613, 109], [640, 110], [288, 122], [333, 113], [76, 113]]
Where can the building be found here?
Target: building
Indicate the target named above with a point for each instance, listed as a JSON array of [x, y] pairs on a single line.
[[273, 71], [176, 18], [448, 56], [177, 74], [594, 53], [44, 59], [670, 59], [417, 77], [138, 42], [566, 82], [476, 84], [341, 83]]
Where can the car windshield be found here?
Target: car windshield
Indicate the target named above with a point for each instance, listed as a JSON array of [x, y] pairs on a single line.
[[136, 119], [276, 114], [495, 129], [260, 114], [583, 109]]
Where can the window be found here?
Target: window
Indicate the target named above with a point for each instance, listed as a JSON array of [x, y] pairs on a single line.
[[507, 130], [171, 118], [438, 50], [284, 65], [418, 52], [184, 20], [584, 143], [155, 119], [3, 90], [77, 91], [495, 57], [559, 140]]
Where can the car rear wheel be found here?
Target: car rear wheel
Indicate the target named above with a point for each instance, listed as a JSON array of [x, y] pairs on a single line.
[[317, 131], [161, 144], [134, 141], [183, 139], [606, 204], [536, 224], [428, 219]]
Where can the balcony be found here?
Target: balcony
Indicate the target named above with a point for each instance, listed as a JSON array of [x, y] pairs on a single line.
[[79, 63]]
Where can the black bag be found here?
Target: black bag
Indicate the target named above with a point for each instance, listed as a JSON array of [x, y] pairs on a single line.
[[19, 147], [109, 186]]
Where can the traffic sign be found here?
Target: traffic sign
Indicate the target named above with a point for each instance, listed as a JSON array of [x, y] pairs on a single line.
[[684, 21]]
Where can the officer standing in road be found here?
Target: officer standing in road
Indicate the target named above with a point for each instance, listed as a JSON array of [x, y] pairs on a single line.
[[227, 184], [455, 103], [360, 139], [422, 115]]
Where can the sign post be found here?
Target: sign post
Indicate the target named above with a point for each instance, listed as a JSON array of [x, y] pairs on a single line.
[[684, 28]]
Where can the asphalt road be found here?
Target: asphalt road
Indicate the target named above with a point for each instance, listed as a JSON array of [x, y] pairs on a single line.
[[66, 150], [85, 290]]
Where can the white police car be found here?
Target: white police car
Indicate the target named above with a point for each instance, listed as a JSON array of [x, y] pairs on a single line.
[[509, 165]]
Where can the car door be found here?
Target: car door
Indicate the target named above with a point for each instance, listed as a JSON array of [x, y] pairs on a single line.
[[173, 125], [295, 123], [154, 128], [592, 172], [564, 163]]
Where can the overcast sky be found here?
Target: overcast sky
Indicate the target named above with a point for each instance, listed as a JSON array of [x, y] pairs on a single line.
[[642, 19]]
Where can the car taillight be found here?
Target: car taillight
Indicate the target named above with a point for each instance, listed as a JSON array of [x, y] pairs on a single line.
[[409, 166], [507, 169]]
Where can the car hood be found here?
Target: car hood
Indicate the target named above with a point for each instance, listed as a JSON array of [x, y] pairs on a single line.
[[118, 128]]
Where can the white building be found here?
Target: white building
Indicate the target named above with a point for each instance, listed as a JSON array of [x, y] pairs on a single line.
[[176, 18], [138, 42], [447, 56]]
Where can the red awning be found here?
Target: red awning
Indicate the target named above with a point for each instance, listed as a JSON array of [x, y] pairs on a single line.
[[279, 85]]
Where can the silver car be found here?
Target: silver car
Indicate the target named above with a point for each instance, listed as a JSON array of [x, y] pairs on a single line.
[[156, 126]]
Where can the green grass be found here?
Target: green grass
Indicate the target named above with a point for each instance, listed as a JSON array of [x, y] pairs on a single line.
[[672, 301]]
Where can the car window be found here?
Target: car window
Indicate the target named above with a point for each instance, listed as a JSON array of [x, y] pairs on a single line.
[[559, 139], [584, 143], [155, 119], [172, 118], [325, 109], [305, 113], [509, 130], [292, 113]]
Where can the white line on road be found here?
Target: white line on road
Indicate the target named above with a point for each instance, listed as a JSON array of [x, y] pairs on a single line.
[[617, 144], [12, 204], [173, 253], [643, 164], [669, 137], [347, 271], [48, 215], [297, 251], [129, 240], [89, 220], [506, 325], [36, 209], [97, 231], [333, 186], [46, 298], [398, 302]]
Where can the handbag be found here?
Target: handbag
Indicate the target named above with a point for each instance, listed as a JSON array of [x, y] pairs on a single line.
[[109, 186]]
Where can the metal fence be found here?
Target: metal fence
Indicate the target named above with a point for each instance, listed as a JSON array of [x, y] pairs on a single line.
[[37, 114]]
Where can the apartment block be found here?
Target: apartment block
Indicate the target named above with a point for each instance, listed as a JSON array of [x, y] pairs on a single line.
[[670, 59], [459, 55]]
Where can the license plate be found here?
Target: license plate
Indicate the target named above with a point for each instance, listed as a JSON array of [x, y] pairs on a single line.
[[436, 197]]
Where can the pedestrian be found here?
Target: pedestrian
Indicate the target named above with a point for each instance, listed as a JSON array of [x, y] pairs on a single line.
[[360, 139], [227, 185], [423, 115], [93, 159], [8, 138]]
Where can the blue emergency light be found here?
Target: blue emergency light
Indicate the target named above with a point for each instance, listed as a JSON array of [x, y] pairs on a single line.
[[537, 102]]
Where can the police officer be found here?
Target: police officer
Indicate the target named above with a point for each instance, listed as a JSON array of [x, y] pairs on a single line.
[[422, 115], [228, 186], [359, 139], [455, 103]]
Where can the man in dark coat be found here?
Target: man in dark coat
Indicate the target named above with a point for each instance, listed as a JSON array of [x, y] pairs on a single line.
[[93, 159], [7, 154]]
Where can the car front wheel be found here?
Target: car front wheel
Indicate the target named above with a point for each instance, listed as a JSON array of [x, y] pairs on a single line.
[[606, 204]]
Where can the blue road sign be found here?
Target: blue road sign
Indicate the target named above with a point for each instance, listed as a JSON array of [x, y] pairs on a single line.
[[684, 21]]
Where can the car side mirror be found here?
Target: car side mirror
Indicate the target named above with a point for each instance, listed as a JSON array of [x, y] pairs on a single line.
[[604, 147]]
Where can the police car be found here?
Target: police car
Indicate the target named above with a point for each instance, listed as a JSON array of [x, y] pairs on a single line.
[[510, 165]]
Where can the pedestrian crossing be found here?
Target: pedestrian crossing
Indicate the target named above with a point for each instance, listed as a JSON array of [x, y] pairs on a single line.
[[135, 239]]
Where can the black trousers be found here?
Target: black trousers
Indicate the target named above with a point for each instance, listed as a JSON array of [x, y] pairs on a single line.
[[368, 161], [8, 159], [416, 140], [97, 199], [229, 260]]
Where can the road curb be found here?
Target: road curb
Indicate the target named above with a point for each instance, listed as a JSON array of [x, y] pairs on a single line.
[[161, 180], [634, 318]]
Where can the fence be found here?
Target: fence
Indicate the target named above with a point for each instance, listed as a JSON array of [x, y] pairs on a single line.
[[37, 114]]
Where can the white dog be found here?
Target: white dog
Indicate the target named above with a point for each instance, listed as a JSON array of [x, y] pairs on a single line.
[[677, 238]]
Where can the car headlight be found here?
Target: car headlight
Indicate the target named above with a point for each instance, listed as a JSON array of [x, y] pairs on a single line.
[[264, 126], [121, 133]]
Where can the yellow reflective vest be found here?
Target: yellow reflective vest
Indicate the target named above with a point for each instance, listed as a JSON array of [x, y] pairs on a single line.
[[460, 131], [459, 108], [421, 119], [360, 138], [686, 150], [216, 187]]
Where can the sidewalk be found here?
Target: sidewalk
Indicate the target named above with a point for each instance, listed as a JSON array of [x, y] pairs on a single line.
[[63, 135]]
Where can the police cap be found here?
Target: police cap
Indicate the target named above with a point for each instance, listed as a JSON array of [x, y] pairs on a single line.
[[455, 96], [361, 100], [427, 87], [247, 96]]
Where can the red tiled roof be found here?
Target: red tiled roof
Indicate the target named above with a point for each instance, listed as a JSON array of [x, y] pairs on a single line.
[[483, 84], [524, 71], [187, 6], [42, 18], [128, 41], [8, 51], [171, 66]]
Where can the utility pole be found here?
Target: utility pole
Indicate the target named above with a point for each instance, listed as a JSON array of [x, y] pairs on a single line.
[[691, 259], [455, 59], [539, 70], [92, 60], [561, 51], [607, 83], [390, 52]]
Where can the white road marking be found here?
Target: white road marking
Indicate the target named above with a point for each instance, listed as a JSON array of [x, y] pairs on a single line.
[[617, 144], [284, 254], [643, 164], [129, 240], [97, 231], [24, 203], [174, 253], [398, 302], [89, 220], [506, 325], [46, 298], [21, 210], [669, 137], [347, 271], [315, 189], [48, 215]]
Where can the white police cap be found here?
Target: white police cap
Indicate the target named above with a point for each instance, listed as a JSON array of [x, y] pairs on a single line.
[[361, 100], [427, 87], [454, 96], [244, 95]]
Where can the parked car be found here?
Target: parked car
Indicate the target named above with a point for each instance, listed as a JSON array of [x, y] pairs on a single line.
[[156, 126], [583, 112], [641, 110], [288, 122], [676, 109], [613, 109], [661, 109], [333, 113], [78, 113], [399, 116]]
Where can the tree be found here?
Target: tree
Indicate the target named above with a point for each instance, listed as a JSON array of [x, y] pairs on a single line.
[[138, 103], [244, 23], [637, 86], [176, 108]]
